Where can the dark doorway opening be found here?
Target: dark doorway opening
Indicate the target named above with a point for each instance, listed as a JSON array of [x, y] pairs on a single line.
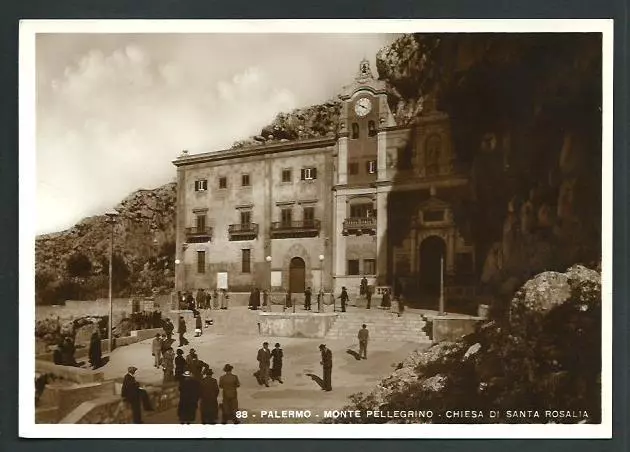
[[432, 252], [297, 275]]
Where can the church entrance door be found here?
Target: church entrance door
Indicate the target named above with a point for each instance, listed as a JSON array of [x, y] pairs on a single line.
[[297, 275], [432, 249]]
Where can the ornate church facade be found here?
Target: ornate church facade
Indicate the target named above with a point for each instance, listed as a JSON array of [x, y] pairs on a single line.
[[377, 200]]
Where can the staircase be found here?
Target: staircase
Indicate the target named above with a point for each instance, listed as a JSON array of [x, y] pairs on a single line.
[[383, 326], [233, 321]]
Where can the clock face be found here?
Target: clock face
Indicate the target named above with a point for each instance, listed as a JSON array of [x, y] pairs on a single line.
[[363, 106]]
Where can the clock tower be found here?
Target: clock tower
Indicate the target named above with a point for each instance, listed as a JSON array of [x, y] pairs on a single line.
[[365, 113]]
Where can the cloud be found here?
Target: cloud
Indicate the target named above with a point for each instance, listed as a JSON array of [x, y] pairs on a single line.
[[114, 122]]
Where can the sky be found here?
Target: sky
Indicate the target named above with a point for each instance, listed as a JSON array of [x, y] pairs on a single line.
[[114, 110]]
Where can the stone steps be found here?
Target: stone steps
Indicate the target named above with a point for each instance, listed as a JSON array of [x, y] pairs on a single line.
[[384, 326]]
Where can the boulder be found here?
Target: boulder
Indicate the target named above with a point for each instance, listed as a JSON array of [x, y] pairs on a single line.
[[435, 383], [472, 351]]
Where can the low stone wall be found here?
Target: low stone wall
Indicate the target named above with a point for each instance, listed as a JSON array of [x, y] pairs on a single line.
[[63, 398], [75, 374], [451, 328], [295, 325], [113, 410]]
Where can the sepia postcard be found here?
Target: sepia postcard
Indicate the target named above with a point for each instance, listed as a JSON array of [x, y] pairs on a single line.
[[316, 228]]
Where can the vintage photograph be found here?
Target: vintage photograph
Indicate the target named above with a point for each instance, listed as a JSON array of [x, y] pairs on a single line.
[[319, 228]]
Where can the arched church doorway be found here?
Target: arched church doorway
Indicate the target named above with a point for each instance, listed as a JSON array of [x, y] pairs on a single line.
[[432, 250], [297, 275]]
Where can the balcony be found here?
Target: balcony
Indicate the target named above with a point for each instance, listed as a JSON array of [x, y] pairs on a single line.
[[359, 226], [244, 231], [294, 229], [198, 235]]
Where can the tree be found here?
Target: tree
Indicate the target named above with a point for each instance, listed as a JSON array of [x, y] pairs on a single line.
[[79, 265]]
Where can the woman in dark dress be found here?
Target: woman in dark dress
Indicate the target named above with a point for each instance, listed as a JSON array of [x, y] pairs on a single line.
[[276, 363], [189, 392], [209, 406], [95, 350]]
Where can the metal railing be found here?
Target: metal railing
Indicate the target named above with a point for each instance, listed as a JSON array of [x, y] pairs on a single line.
[[358, 223], [243, 228], [197, 231], [299, 225]]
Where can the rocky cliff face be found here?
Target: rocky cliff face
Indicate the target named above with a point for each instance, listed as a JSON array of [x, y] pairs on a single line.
[[144, 236]]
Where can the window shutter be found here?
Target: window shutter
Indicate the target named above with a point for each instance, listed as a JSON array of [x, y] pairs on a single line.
[[303, 174], [196, 185], [314, 173]]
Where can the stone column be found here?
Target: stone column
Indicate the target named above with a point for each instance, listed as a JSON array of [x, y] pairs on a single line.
[[382, 155], [450, 252], [382, 241], [339, 240], [413, 257], [342, 161]]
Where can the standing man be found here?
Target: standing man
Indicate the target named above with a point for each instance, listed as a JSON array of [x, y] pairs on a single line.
[[134, 395], [229, 383], [364, 336], [181, 329], [363, 286], [326, 363], [264, 361], [209, 407], [168, 328], [189, 391], [368, 296], [156, 350], [167, 364], [307, 299], [180, 364], [344, 298]]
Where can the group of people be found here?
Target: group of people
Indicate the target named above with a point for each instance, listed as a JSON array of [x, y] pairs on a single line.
[[218, 299], [269, 364]]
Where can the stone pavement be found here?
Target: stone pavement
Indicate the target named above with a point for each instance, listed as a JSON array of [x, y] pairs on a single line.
[[301, 358]]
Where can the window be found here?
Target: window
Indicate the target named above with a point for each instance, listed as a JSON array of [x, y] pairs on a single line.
[[222, 182], [353, 168], [285, 217], [433, 215], [200, 223], [309, 173], [246, 217], [355, 131], [201, 261], [370, 166], [286, 175], [369, 266], [309, 216], [245, 180], [246, 261], [201, 185], [371, 129], [361, 210], [353, 267]]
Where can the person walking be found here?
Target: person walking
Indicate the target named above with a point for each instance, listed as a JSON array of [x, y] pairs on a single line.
[[95, 352], [276, 363], [167, 364], [264, 360], [189, 392], [181, 329], [368, 297], [135, 395], [180, 364], [156, 350], [363, 336], [201, 299], [307, 298], [326, 363], [198, 325], [215, 299], [209, 406], [230, 384], [320, 300], [344, 298]]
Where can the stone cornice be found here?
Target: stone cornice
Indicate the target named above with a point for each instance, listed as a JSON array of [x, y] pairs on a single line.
[[265, 149]]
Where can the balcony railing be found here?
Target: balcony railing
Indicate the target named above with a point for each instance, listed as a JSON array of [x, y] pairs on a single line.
[[243, 231], [197, 234], [364, 225], [302, 228]]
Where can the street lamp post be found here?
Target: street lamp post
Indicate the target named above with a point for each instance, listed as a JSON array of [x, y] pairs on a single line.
[[111, 220], [320, 295], [268, 259], [441, 286]]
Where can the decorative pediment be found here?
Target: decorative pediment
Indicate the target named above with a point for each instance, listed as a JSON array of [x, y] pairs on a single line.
[[434, 203]]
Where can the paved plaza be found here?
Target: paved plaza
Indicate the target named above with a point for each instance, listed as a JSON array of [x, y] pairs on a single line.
[[301, 370]]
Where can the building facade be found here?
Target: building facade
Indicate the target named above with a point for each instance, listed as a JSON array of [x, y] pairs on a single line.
[[377, 200]]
